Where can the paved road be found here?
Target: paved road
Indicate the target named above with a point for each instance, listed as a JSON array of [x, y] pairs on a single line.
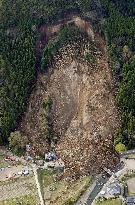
[[101, 181], [124, 154], [98, 186]]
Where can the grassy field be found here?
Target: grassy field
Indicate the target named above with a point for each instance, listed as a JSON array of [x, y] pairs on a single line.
[[127, 176], [61, 192], [110, 202], [26, 200]]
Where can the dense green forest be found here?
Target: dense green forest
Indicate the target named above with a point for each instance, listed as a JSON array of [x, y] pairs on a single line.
[[19, 22], [119, 29]]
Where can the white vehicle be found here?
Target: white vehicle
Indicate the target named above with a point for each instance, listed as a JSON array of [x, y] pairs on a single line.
[[102, 192], [20, 173], [26, 172]]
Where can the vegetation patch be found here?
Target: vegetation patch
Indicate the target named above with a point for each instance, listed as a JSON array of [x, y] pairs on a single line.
[[90, 58], [109, 202], [67, 34], [2, 161], [127, 176], [120, 147], [119, 31], [130, 156], [61, 192]]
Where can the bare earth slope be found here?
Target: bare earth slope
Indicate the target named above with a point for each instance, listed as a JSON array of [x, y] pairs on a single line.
[[84, 112], [87, 108]]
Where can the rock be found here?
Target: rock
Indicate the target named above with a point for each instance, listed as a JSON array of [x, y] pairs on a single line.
[[47, 195], [40, 162]]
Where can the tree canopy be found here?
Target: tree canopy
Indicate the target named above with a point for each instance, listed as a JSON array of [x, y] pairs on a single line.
[[19, 21]]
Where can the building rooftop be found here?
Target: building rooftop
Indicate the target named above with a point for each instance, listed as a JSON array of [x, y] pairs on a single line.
[[114, 189]]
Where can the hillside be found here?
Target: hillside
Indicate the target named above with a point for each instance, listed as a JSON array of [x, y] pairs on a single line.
[[19, 33], [69, 85], [83, 115]]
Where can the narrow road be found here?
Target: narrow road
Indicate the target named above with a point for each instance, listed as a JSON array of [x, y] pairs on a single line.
[[38, 185], [124, 154]]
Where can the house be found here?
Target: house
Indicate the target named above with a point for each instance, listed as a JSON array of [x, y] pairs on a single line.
[[114, 189], [130, 200], [50, 156]]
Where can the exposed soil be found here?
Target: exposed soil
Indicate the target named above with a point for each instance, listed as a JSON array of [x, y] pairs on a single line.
[[84, 111]]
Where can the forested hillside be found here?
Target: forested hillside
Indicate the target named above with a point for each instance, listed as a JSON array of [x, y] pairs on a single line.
[[20, 20], [119, 30], [19, 24]]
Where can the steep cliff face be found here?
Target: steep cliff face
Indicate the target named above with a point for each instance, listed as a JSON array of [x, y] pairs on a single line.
[[83, 113]]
